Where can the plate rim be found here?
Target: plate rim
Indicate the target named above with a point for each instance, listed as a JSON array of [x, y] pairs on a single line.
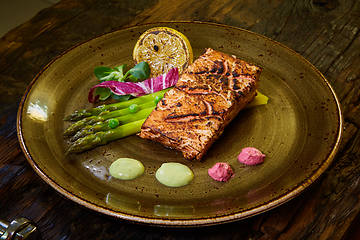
[[196, 222]]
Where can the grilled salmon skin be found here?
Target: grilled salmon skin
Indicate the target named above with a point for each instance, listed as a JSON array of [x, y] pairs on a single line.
[[207, 96]]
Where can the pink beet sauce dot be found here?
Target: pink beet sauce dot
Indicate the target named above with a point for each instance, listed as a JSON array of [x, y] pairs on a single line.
[[221, 172], [251, 156]]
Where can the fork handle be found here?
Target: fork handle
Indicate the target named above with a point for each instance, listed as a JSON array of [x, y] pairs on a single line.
[[18, 229]]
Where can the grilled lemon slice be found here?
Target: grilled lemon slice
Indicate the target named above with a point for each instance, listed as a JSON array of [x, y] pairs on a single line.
[[163, 48]]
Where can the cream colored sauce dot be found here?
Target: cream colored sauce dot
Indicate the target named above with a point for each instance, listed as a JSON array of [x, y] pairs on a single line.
[[174, 174], [126, 169]]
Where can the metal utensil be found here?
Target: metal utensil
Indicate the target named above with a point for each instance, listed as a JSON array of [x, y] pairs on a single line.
[[18, 229]]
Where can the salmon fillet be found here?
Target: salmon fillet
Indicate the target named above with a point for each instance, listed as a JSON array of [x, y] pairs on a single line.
[[207, 96]]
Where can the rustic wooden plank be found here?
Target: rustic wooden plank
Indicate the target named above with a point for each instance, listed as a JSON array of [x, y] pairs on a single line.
[[335, 205], [52, 31], [236, 13]]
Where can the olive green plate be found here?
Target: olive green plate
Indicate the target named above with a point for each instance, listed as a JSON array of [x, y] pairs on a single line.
[[299, 131]]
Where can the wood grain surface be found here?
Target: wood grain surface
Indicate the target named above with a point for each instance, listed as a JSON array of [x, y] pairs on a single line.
[[326, 32]]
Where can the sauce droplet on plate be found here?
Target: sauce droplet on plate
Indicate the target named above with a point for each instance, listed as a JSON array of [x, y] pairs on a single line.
[[251, 156], [221, 172], [174, 174], [126, 169]]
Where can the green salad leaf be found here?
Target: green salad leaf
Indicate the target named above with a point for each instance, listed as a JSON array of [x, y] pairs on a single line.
[[139, 72], [120, 98], [103, 73], [104, 93]]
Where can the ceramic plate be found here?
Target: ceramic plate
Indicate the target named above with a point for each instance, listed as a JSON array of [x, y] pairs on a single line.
[[299, 131]]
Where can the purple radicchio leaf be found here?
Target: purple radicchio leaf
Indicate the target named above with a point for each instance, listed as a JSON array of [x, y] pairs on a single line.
[[137, 89]]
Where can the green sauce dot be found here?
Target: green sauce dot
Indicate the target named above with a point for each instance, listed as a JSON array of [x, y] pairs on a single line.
[[126, 168], [133, 108], [113, 123], [157, 99], [174, 174]]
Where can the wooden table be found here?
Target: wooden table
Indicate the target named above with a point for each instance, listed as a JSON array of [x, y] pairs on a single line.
[[326, 32]]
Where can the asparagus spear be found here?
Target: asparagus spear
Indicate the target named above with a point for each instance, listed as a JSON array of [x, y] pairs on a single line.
[[92, 120], [101, 138], [104, 126], [83, 113]]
